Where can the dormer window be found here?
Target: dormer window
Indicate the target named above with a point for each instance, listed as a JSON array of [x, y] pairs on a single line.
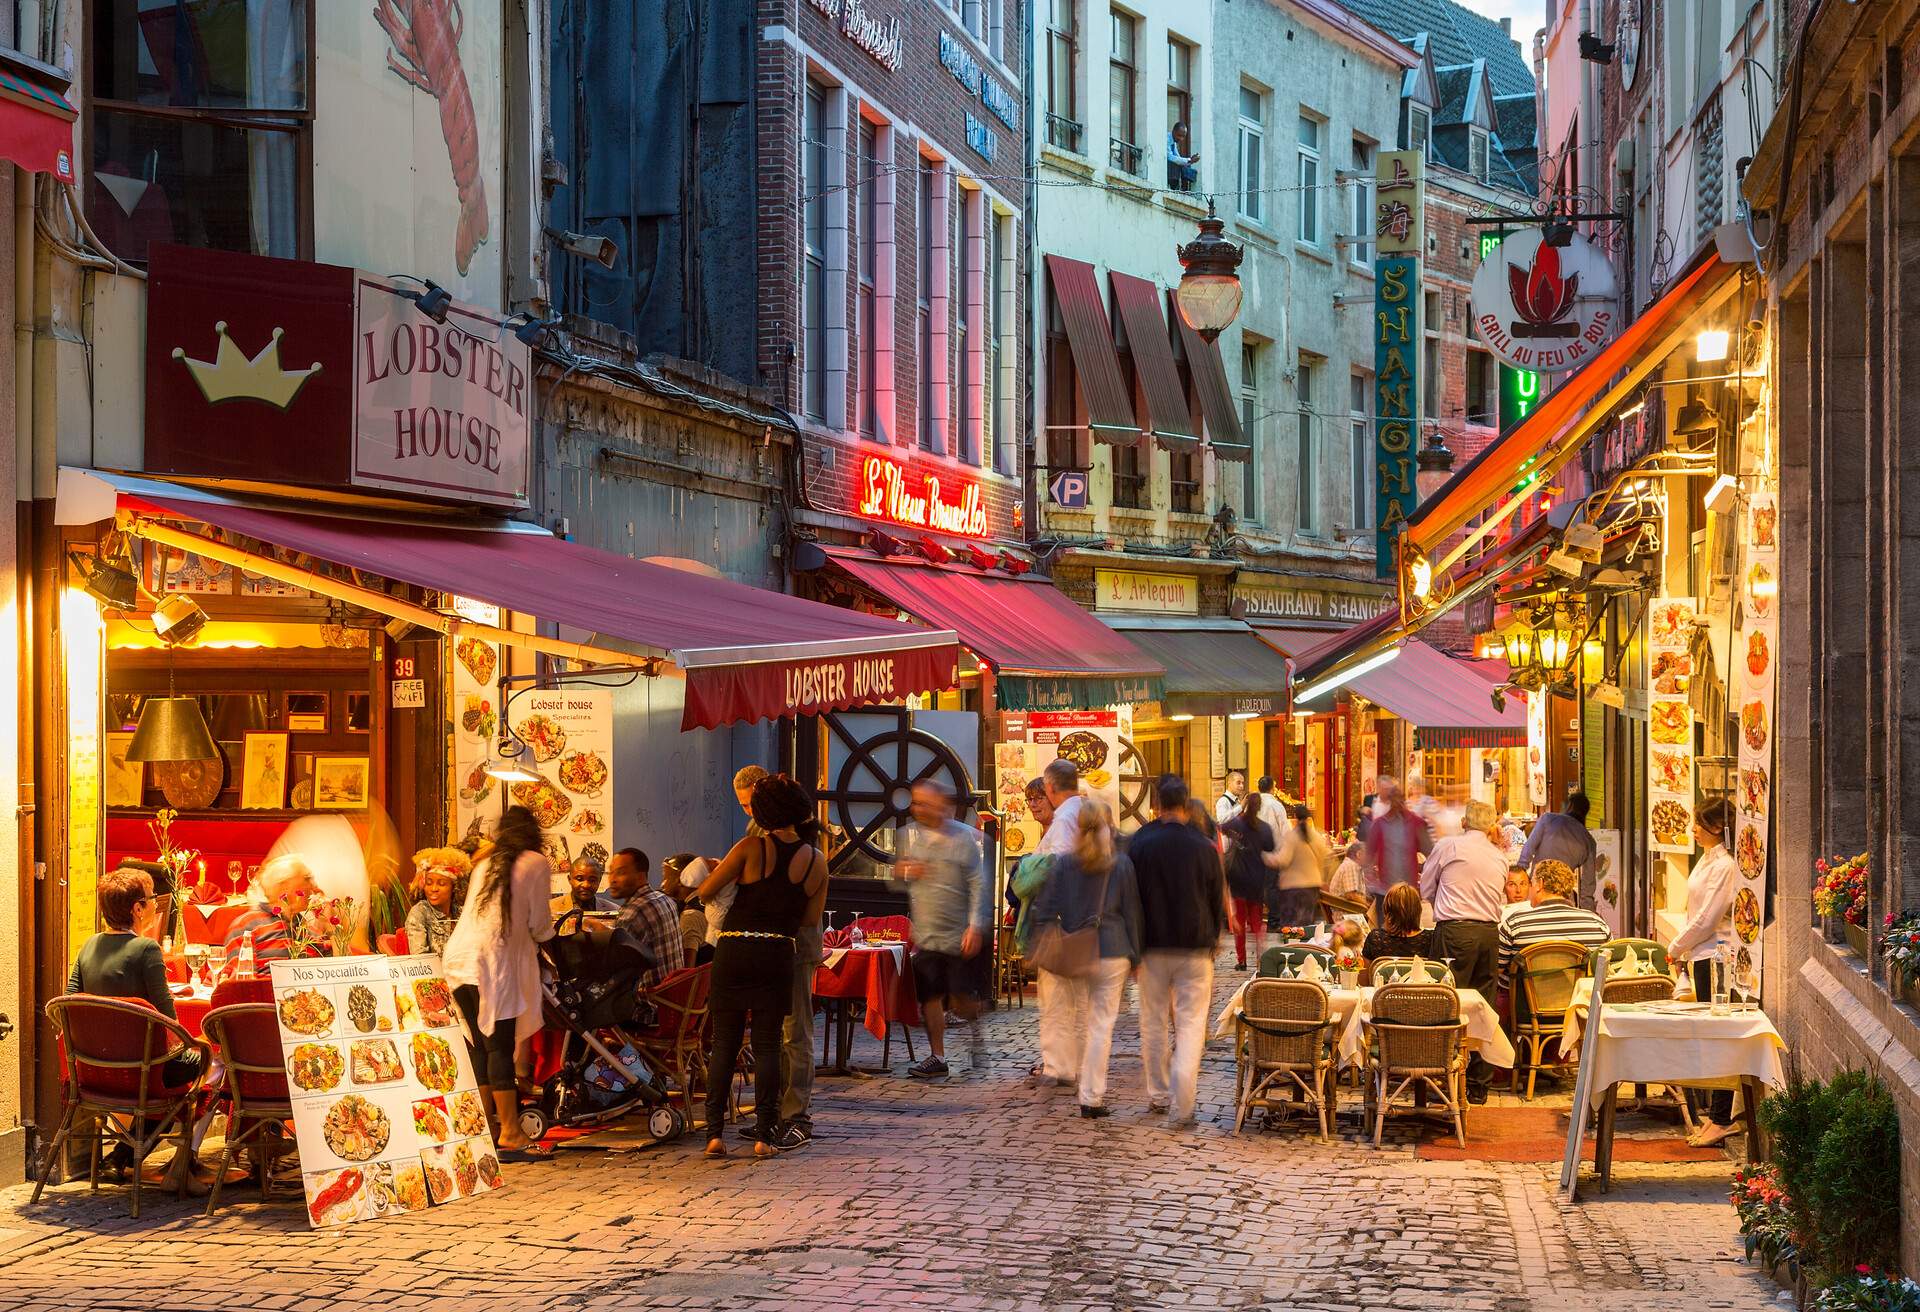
[[1477, 154], [1419, 128]]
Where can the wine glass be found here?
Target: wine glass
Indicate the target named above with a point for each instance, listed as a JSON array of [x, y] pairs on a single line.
[[236, 874]]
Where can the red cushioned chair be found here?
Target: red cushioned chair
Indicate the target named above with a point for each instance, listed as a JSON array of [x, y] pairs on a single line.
[[256, 1090], [676, 1043], [114, 1052]]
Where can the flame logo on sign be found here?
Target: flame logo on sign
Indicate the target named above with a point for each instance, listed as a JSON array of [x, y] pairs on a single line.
[[1540, 295]]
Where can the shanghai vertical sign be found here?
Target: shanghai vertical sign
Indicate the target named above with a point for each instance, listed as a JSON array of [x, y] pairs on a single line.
[[1399, 238]]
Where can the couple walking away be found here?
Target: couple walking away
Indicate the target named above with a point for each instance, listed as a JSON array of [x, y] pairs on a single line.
[[1097, 914]]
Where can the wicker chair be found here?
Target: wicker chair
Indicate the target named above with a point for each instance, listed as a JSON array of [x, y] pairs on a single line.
[[256, 1092], [1287, 958], [1010, 968], [676, 1043], [1284, 1046], [1410, 970], [1544, 975], [1643, 949], [1417, 1030]]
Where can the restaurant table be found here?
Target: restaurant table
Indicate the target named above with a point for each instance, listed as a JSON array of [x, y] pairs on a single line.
[[1675, 1043], [191, 1010], [876, 975], [1350, 1009]]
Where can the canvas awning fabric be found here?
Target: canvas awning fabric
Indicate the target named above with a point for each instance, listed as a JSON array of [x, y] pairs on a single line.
[[1214, 667], [1442, 696], [1299, 644], [746, 653], [1137, 302], [1046, 653], [1224, 434], [36, 125], [1090, 336]]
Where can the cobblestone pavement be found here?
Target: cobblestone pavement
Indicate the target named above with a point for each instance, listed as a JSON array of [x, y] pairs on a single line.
[[973, 1193]]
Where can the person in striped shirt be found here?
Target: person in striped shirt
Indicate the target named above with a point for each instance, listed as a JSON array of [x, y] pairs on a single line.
[[1552, 914]]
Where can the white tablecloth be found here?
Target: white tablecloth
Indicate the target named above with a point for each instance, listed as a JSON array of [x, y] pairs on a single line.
[[834, 956], [1351, 1007], [1340, 1003], [1678, 1043]]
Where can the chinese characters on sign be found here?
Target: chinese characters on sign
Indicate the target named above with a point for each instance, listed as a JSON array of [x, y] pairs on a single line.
[[889, 490], [1400, 236]]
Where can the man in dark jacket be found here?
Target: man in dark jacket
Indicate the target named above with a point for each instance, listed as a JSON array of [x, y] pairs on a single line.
[[1183, 913]]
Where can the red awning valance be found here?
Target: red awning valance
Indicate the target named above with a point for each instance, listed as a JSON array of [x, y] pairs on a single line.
[[1109, 403], [1138, 304], [36, 125]]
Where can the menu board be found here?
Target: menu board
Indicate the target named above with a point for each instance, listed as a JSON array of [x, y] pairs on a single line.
[[473, 696], [1014, 766], [385, 1107], [1607, 877], [569, 736], [1537, 748], [1756, 651], [1670, 724], [1090, 739]]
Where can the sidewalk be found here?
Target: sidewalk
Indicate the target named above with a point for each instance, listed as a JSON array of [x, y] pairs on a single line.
[[976, 1192]]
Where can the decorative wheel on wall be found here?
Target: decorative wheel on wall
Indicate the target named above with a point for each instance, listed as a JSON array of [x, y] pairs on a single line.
[[875, 758], [1136, 790]]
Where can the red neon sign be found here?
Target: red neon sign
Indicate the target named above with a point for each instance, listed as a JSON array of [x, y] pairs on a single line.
[[889, 491]]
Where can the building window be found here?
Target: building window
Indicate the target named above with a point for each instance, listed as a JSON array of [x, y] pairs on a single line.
[[1360, 241], [1129, 476], [1183, 130], [813, 298], [867, 234], [973, 17], [1183, 471], [1359, 409], [1308, 521], [198, 141], [1064, 431], [973, 206], [1477, 154], [1419, 128], [1000, 352], [1483, 388], [1123, 123], [1253, 117], [1063, 54], [926, 269], [1252, 420], [1309, 180]]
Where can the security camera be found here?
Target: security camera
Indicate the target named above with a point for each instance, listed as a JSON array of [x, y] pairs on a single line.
[[601, 250]]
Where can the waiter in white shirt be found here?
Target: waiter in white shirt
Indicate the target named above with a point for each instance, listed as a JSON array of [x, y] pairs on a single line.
[[1229, 803], [1709, 928], [1465, 879]]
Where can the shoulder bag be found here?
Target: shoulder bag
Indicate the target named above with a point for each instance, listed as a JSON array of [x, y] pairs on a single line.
[[1073, 953]]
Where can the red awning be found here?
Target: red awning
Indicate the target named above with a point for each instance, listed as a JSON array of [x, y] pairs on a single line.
[[1042, 648], [36, 124], [1561, 422], [1299, 645], [1138, 303], [1209, 376], [747, 653], [1436, 692], [1109, 403]]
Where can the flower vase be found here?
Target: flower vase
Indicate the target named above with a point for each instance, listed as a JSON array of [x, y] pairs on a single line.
[[1856, 938], [1349, 979]]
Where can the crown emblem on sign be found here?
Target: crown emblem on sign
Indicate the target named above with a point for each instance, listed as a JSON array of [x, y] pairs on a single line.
[[232, 377]]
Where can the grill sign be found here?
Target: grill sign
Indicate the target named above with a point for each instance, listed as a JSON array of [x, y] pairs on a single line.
[[1547, 308]]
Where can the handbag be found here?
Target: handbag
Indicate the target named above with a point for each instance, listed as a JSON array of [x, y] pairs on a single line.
[[1072, 953]]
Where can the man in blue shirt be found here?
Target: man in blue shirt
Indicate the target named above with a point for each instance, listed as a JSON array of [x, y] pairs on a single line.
[[951, 901], [1561, 836]]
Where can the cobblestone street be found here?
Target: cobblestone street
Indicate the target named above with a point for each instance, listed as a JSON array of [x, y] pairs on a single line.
[[978, 1192]]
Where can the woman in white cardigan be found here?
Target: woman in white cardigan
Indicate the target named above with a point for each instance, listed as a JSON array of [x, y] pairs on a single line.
[[1709, 928]]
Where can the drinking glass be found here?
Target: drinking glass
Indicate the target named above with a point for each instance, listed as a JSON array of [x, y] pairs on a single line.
[[236, 873]]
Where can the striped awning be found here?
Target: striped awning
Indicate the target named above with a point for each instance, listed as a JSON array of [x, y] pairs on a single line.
[[1109, 404], [1137, 302]]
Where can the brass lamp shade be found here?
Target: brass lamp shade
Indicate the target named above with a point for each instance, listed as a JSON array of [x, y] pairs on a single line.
[[172, 729]]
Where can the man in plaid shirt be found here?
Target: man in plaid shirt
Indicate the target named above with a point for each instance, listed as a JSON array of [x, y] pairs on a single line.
[[648, 914]]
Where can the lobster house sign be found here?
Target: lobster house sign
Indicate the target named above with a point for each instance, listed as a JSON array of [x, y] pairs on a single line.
[[1399, 237], [1546, 307]]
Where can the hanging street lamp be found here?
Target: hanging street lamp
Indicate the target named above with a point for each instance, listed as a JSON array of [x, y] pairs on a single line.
[[1209, 291]]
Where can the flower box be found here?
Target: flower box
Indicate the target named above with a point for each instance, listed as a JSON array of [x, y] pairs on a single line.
[[1857, 939]]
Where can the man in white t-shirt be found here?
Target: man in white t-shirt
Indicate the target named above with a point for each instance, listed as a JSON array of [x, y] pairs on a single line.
[[1061, 779], [1229, 803]]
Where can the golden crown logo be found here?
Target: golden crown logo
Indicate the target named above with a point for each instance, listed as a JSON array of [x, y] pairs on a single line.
[[233, 377]]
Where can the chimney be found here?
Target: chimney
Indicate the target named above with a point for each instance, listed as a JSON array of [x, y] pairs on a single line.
[[1506, 24]]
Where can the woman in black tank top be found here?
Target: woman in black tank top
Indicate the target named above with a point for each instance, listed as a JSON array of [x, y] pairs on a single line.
[[782, 880]]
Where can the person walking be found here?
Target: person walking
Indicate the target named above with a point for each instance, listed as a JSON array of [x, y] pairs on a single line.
[[1395, 841], [1465, 879], [492, 959], [1093, 886], [1250, 841], [1709, 930], [1063, 1010], [950, 900], [1561, 836], [780, 878], [1302, 869], [1183, 913]]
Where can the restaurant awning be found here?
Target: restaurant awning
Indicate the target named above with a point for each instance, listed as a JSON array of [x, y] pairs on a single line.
[[1544, 440], [1151, 346], [1441, 695], [746, 653], [1046, 653], [36, 122], [1224, 434], [1299, 644], [1214, 667], [1090, 335]]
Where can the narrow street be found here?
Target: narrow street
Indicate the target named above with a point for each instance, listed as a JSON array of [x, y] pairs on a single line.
[[978, 1192]]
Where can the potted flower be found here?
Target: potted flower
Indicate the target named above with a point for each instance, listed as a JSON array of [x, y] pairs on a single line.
[[1840, 891], [1868, 1291], [1900, 946], [1346, 964], [1766, 1223]]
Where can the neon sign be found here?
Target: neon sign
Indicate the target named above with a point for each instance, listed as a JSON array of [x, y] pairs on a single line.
[[887, 492]]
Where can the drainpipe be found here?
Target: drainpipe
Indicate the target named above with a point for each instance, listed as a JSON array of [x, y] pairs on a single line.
[[1589, 108]]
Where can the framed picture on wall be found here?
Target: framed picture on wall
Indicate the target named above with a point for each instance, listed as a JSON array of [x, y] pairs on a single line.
[[341, 783], [125, 781], [307, 712], [263, 776]]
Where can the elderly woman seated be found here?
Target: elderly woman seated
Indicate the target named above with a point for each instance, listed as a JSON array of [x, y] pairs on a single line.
[[282, 891]]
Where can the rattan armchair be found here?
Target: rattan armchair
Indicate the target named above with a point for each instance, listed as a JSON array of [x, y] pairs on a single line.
[[1544, 975], [1416, 1031], [1283, 1050], [1286, 959], [1645, 951], [1410, 970]]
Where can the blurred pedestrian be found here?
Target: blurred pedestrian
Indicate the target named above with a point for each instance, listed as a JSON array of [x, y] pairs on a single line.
[[1250, 841], [951, 901]]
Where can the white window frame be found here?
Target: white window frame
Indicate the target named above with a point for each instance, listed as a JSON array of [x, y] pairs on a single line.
[[1360, 243], [1129, 69], [970, 307], [1307, 176], [1251, 422], [1252, 147], [1480, 147], [1003, 323], [1307, 507], [1420, 130], [1365, 487], [934, 341]]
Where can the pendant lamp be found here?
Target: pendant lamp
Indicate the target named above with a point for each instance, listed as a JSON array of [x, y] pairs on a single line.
[[172, 729]]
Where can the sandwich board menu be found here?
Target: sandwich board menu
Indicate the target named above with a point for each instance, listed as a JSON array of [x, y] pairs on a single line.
[[385, 1106]]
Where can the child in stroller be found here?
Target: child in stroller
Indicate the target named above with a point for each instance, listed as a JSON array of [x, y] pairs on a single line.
[[589, 984]]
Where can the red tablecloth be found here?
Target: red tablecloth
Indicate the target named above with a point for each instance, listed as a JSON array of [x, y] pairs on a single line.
[[870, 973], [191, 1012]]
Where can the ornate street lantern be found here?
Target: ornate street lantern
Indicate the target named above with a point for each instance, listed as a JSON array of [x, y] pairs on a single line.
[[1209, 291]]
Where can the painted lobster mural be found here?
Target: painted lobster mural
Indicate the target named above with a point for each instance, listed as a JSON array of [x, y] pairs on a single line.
[[426, 52]]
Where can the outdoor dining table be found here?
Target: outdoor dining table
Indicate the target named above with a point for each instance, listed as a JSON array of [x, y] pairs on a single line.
[[1350, 1009], [875, 974]]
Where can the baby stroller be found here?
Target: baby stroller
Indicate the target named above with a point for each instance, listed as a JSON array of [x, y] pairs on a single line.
[[590, 995]]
